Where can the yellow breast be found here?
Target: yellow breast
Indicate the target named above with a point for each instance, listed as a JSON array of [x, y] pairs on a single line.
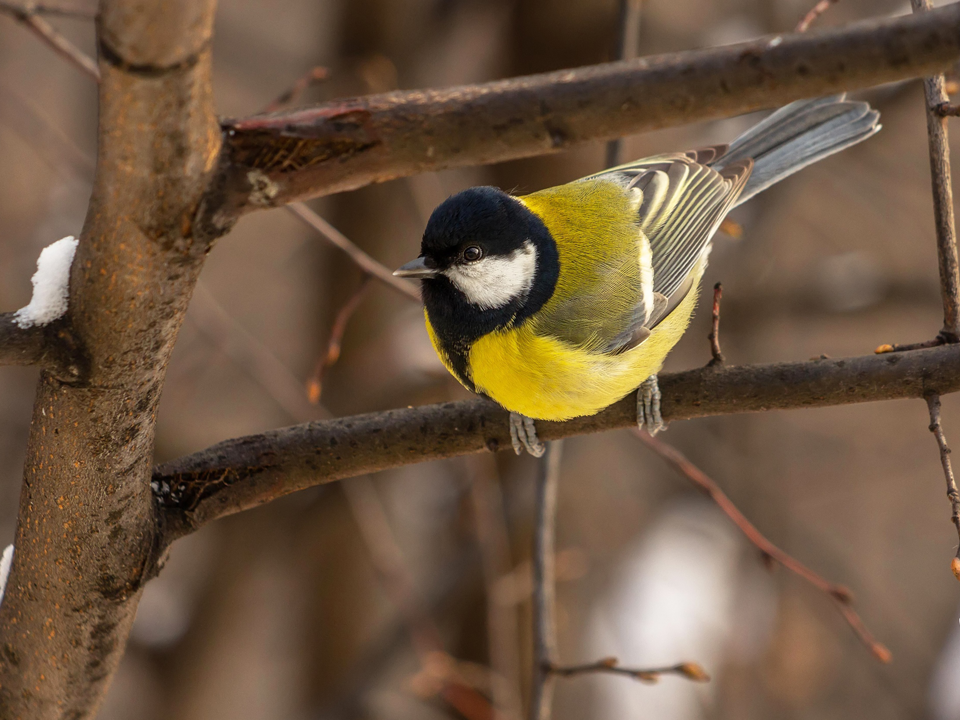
[[546, 379]]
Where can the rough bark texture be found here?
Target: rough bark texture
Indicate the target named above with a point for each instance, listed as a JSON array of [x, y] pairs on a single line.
[[275, 159], [245, 472], [52, 347], [87, 524]]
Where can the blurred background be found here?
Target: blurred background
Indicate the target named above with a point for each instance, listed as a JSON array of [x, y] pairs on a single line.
[[361, 599]]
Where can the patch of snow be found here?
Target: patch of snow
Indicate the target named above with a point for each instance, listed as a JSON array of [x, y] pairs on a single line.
[[51, 285], [5, 562]]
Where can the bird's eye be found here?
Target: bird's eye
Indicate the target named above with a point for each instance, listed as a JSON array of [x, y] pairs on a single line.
[[472, 253]]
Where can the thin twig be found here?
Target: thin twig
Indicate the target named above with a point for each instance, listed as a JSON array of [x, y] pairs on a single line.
[[250, 355], [332, 354], [838, 593], [714, 336], [935, 96], [933, 405], [819, 9], [628, 47], [47, 8], [292, 94], [362, 259], [948, 109], [544, 599], [28, 16], [391, 568], [502, 625], [689, 670]]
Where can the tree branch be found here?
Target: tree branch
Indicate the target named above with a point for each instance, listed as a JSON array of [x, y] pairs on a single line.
[[52, 347], [243, 473], [953, 495], [840, 595], [271, 160], [544, 582], [29, 17], [935, 96], [87, 521]]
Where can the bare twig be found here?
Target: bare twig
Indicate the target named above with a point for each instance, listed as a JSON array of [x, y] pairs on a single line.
[[250, 355], [816, 11], [388, 561], [838, 593], [948, 109], [689, 670], [332, 353], [29, 17], [75, 11], [714, 336], [628, 47], [246, 472], [362, 259], [933, 405], [935, 96], [345, 144], [292, 94], [544, 599], [502, 624]]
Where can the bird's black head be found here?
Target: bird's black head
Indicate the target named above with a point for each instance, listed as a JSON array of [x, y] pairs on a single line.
[[486, 262]]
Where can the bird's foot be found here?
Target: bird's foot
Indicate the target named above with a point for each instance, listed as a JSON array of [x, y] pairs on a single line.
[[523, 435], [648, 406]]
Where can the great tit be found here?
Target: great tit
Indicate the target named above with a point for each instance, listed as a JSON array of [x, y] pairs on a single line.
[[559, 303]]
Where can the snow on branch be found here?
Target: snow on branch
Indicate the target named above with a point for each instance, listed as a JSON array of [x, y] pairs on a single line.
[[51, 285]]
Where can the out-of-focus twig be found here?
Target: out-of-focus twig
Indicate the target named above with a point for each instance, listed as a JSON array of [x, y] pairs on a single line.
[[332, 353], [714, 336], [544, 599], [29, 16], [628, 47], [362, 259], [502, 624], [838, 593], [250, 354], [689, 670], [69, 10], [816, 11], [388, 561], [935, 96], [292, 94], [933, 405]]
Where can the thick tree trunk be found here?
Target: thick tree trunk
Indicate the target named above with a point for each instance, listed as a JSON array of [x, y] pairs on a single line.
[[87, 518]]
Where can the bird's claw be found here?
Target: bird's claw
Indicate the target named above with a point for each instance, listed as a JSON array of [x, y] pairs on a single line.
[[523, 436], [648, 406]]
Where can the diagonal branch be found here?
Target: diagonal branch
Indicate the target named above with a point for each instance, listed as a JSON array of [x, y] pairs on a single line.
[[29, 17], [840, 595], [243, 473], [345, 144]]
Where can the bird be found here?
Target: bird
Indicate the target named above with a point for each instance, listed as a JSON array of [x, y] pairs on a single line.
[[559, 303]]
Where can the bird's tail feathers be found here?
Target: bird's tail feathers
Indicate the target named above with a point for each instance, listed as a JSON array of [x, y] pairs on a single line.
[[797, 135]]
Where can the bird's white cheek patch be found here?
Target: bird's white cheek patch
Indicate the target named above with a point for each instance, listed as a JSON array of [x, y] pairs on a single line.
[[496, 280]]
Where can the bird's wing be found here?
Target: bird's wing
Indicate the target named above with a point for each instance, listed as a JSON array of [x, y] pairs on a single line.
[[683, 202]]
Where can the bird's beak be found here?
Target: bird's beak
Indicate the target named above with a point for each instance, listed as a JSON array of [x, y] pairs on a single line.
[[416, 269]]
